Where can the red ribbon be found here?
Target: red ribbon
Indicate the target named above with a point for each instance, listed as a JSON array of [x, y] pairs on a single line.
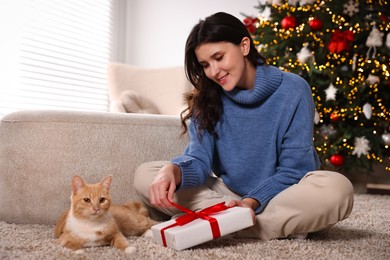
[[340, 41], [249, 23], [192, 215]]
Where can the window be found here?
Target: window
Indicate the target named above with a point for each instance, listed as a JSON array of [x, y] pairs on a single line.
[[56, 54]]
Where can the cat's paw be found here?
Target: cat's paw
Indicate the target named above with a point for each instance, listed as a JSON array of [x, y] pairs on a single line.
[[130, 250], [79, 251], [148, 233]]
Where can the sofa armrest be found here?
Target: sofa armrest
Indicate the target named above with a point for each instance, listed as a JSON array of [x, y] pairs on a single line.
[[40, 152]]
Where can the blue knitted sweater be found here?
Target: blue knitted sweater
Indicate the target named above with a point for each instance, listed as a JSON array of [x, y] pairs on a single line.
[[265, 139]]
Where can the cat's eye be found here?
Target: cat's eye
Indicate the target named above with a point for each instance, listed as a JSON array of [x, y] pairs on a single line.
[[102, 200], [87, 200]]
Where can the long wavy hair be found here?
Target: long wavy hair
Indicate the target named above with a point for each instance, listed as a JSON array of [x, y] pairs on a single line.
[[204, 102]]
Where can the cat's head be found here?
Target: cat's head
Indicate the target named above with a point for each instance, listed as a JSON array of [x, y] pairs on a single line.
[[90, 200]]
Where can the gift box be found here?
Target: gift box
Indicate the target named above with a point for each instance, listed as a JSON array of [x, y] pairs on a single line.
[[195, 228]]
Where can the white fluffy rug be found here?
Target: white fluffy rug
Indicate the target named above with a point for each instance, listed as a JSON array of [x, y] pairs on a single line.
[[364, 235]]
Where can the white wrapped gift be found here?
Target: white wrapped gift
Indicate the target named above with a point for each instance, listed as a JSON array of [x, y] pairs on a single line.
[[180, 236]]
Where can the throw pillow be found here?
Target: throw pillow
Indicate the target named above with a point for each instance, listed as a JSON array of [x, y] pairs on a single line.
[[136, 103]]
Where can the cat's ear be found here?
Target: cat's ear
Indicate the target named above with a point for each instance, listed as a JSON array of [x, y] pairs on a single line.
[[106, 182], [77, 184]]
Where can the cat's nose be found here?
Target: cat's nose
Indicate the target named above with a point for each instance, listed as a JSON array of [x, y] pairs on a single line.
[[96, 209]]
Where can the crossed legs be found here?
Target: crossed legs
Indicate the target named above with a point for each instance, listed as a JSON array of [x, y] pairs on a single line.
[[318, 201]]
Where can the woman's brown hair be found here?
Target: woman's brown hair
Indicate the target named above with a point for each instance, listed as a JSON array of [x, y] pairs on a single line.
[[204, 102]]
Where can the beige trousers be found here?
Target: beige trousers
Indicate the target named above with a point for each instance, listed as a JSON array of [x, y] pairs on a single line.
[[318, 201]]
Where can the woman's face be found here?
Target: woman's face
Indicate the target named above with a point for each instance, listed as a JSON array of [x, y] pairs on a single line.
[[225, 64]]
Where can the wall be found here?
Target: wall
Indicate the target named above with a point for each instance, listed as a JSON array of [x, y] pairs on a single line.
[[157, 29]]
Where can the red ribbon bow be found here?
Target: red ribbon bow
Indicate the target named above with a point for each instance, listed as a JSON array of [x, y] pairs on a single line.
[[340, 41], [192, 215], [250, 24]]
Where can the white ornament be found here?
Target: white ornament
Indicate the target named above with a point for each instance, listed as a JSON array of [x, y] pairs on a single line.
[[327, 130], [367, 110], [362, 146], [354, 59], [304, 54], [374, 40], [351, 8], [388, 40], [386, 138], [316, 117], [331, 92], [306, 2], [372, 79]]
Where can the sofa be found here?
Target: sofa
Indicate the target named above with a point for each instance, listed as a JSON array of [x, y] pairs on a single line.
[[41, 150]]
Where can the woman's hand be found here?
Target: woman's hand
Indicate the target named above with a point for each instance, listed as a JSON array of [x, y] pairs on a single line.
[[246, 203], [164, 185]]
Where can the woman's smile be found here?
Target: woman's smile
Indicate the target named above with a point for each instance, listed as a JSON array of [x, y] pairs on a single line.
[[222, 80]]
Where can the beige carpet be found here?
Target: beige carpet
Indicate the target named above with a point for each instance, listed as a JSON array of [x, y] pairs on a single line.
[[364, 235]]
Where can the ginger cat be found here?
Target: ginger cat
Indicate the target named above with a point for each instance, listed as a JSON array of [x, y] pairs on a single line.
[[93, 221]]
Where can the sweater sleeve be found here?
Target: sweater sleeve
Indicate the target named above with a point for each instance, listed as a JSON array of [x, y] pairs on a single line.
[[195, 162], [296, 153]]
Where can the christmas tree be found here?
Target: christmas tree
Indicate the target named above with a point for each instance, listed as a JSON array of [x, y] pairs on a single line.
[[342, 49]]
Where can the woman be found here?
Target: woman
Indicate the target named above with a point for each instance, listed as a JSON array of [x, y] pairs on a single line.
[[251, 133]]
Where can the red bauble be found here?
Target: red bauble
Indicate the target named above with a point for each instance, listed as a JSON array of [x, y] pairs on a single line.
[[337, 160], [316, 24], [334, 117], [289, 22]]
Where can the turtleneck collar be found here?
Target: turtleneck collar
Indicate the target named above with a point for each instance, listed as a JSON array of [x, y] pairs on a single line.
[[268, 79]]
